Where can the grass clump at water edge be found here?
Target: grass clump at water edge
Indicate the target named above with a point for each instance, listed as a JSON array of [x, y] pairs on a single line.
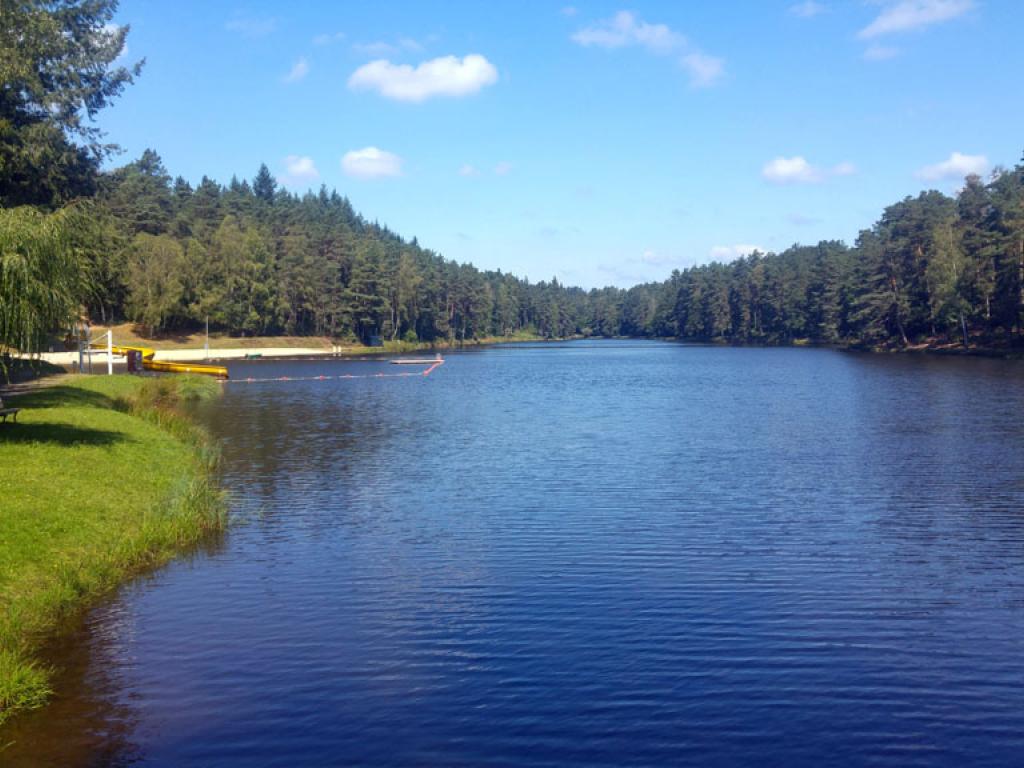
[[101, 478]]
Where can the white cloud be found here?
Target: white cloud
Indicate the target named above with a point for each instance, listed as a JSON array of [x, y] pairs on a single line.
[[906, 15], [249, 26], [326, 38], [955, 168], [806, 9], [569, 10], [734, 251], [503, 168], [704, 70], [444, 76], [877, 52], [298, 71], [468, 170], [796, 170], [788, 170], [624, 29], [371, 163], [299, 170]]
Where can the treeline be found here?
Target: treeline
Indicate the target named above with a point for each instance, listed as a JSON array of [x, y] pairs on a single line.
[[932, 269], [256, 259]]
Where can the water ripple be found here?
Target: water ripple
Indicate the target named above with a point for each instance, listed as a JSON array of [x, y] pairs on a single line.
[[585, 554]]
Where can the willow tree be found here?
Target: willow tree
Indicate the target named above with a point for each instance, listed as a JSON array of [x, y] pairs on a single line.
[[42, 279]]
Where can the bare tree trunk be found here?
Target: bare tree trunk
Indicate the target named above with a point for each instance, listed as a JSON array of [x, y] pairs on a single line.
[[896, 311]]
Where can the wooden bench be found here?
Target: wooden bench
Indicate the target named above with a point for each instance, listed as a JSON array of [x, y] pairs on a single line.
[[5, 412]]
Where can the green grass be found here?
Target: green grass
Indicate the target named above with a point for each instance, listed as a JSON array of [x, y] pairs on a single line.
[[101, 478]]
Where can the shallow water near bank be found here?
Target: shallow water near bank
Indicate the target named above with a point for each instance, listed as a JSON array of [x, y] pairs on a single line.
[[583, 553]]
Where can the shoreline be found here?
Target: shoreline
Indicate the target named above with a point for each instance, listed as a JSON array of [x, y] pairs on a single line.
[[69, 360], [948, 350], [103, 478], [222, 354]]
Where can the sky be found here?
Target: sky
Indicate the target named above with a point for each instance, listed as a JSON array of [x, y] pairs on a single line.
[[601, 143]]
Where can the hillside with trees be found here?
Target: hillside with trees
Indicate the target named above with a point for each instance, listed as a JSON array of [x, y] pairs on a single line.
[[258, 260]]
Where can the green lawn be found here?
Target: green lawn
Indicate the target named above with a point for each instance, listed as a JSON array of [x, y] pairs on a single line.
[[101, 478]]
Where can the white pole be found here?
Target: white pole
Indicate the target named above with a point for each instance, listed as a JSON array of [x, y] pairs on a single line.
[[81, 352], [207, 337], [110, 353], [88, 345]]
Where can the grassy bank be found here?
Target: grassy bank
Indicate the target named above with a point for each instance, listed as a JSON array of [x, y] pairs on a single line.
[[101, 478]]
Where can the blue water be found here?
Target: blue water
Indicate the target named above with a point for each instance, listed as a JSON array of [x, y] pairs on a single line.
[[592, 553]]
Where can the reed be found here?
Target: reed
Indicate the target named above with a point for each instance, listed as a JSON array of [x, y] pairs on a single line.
[[102, 478]]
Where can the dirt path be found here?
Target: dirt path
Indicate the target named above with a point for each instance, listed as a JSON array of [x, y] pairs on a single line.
[[15, 388]]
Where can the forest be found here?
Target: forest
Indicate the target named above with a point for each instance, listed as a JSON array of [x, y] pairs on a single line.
[[252, 258], [257, 260]]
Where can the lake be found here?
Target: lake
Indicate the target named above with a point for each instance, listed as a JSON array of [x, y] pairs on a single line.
[[584, 553]]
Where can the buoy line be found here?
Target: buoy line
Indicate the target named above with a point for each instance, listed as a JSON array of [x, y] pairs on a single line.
[[339, 377]]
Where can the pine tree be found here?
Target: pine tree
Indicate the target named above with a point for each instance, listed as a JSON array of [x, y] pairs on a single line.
[[57, 69], [264, 184]]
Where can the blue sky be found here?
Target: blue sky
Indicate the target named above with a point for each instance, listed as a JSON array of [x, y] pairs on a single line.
[[599, 142]]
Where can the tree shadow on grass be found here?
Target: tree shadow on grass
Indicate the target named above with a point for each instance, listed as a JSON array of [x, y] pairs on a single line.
[[14, 371], [57, 397], [59, 434]]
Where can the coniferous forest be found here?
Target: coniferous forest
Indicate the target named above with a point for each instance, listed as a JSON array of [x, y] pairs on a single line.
[[255, 259], [258, 260]]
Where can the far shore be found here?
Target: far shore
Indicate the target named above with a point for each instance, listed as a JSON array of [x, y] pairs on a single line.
[[224, 348], [192, 347], [99, 356]]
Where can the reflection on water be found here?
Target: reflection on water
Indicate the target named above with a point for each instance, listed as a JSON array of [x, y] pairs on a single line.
[[91, 721], [586, 553]]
